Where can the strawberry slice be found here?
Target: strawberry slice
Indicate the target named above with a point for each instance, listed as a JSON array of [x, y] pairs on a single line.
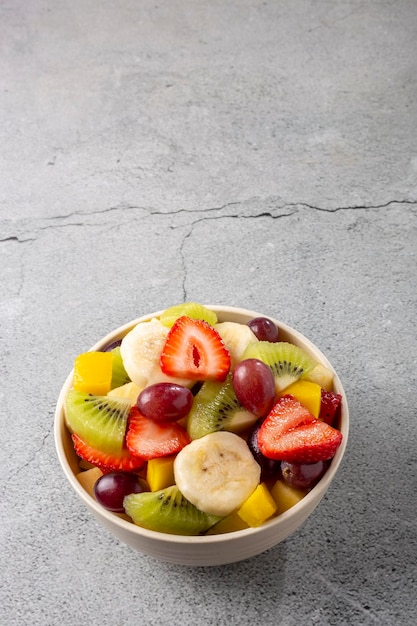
[[330, 406], [195, 350], [122, 462], [149, 439], [291, 433]]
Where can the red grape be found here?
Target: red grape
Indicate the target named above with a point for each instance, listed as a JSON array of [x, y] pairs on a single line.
[[302, 475], [110, 489], [254, 386], [111, 346], [165, 402], [264, 329], [269, 467]]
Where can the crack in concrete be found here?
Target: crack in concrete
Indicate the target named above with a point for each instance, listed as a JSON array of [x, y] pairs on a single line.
[[267, 214], [205, 218], [183, 262], [123, 207], [17, 239], [34, 454], [363, 207], [59, 221]]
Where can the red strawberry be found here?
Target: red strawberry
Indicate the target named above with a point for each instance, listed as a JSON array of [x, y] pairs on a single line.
[[149, 439], [330, 406], [291, 433], [123, 462], [195, 350]]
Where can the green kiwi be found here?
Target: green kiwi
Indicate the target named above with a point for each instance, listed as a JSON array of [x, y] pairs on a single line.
[[191, 309], [288, 362], [100, 421], [119, 374], [216, 407], [167, 511]]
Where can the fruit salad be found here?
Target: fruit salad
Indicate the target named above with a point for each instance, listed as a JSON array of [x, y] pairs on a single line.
[[193, 426]]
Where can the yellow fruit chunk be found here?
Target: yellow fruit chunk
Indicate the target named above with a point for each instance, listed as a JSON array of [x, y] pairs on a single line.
[[306, 392], [321, 375], [93, 372], [88, 479], [285, 496], [130, 391], [228, 524], [160, 473], [258, 507]]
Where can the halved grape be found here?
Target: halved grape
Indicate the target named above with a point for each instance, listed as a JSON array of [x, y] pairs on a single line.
[[165, 402], [269, 467], [302, 475], [264, 329], [254, 385], [111, 346], [111, 488]]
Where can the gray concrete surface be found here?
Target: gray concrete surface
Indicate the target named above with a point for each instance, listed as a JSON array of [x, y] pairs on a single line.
[[253, 153]]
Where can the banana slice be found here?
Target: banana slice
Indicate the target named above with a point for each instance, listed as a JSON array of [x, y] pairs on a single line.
[[236, 338], [217, 472], [141, 349]]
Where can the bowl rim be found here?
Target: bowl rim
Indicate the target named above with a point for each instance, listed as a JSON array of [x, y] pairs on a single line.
[[114, 519]]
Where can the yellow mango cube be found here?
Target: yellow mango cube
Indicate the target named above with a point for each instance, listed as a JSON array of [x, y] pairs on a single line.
[[93, 372], [285, 496], [160, 473], [258, 507], [228, 524], [306, 392]]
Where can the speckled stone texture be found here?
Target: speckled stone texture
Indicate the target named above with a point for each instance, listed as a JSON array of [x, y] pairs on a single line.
[[260, 154]]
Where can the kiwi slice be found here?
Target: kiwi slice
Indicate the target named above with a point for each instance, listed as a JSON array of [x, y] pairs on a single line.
[[216, 407], [288, 362], [167, 511], [119, 375], [190, 309], [100, 421]]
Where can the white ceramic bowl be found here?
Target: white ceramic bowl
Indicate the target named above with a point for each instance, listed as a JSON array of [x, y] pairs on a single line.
[[212, 549]]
